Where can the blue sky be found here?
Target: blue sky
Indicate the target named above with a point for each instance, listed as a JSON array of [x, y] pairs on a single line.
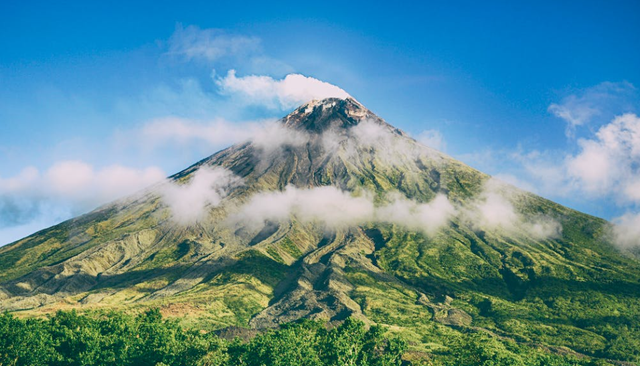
[[528, 91]]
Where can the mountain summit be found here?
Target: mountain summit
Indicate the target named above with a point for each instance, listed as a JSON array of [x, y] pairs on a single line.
[[330, 213], [320, 115]]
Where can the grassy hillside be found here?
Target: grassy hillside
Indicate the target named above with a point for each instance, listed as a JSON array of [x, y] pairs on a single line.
[[569, 293], [67, 338]]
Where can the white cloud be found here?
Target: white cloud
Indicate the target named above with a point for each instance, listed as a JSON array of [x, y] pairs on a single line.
[[334, 208], [606, 165], [609, 164], [326, 205], [272, 136], [542, 227], [575, 113], [372, 134], [432, 138], [627, 231], [26, 178], [65, 189], [267, 135], [389, 145], [602, 100], [206, 188], [494, 209], [292, 91], [210, 44], [222, 49], [79, 182], [183, 132], [428, 217]]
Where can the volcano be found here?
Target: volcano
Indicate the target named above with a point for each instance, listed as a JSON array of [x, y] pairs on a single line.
[[329, 213]]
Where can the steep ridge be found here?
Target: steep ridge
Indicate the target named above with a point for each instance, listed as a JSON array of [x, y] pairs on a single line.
[[440, 247]]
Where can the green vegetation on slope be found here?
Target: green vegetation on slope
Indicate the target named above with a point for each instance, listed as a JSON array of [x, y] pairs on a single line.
[[115, 338], [569, 293], [119, 339]]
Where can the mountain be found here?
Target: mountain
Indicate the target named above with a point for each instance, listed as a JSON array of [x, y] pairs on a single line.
[[332, 213]]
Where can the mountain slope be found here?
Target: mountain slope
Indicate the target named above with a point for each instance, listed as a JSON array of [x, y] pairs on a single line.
[[335, 213]]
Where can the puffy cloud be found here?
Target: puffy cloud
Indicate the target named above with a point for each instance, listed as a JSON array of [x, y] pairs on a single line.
[[65, 189], [293, 90], [605, 165], [493, 209], [327, 205], [602, 100], [79, 182], [609, 164], [335, 208], [22, 181], [542, 227], [428, 217], [627, 231], [206, 188]]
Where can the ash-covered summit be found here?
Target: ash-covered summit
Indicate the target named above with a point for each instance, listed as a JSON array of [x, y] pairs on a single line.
[[330, 213]]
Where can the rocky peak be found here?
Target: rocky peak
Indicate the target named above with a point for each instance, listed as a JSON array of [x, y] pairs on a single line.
[[330, 113]]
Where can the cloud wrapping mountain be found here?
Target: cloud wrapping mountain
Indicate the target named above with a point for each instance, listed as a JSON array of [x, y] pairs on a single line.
[[293, 90], [627, 231], [336, 209], [493, 209], [189, 202], [36, 199]]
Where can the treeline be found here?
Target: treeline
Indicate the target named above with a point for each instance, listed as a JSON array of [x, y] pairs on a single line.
[[115, 338], [147, 339]]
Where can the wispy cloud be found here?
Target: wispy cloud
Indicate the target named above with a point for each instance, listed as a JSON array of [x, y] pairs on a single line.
[[600, 101], [626, 230], [79, 182], [433, 139], [65, 189], [184, 132], [428, 217], [222, 49], [191, 42], [189, 202], [327, 205], [494, 209], [334, 208], [181, 112], [267, 135], [389, 145], [602, 164]]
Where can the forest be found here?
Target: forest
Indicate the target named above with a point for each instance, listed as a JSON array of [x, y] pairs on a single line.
[[118, 338]]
